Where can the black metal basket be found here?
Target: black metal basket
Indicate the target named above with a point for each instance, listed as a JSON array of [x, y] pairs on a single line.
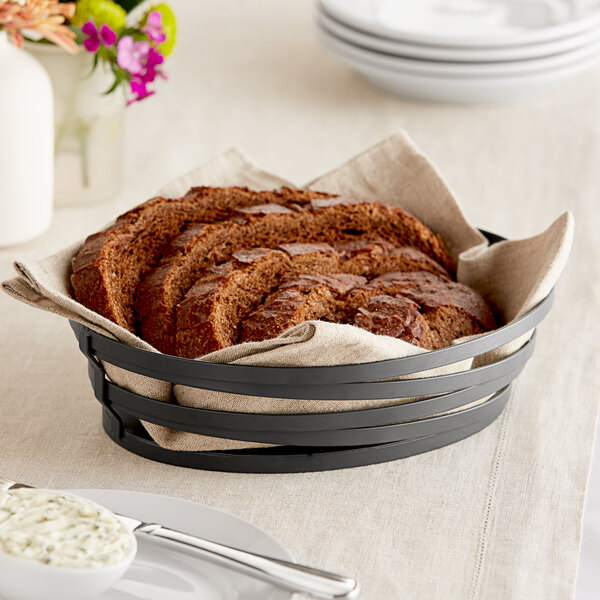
[[317, 441]]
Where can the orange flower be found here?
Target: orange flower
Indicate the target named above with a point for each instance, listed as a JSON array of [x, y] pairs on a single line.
[[46, 17]]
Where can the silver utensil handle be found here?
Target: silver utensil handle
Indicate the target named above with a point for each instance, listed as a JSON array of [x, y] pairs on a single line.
[[293, 577]]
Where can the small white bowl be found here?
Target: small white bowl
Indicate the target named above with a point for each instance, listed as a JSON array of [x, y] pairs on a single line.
[[28, 579]]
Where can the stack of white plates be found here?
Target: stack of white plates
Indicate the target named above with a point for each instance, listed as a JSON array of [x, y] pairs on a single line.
[[462, 50]]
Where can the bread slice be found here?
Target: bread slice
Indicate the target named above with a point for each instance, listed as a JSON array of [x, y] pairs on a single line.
[[108, 268], [397, 317], [324, 221], [303, 298], [375, 257], [451, 309]]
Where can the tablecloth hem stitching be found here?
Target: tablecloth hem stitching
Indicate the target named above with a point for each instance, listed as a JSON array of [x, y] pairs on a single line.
[[482, 545]]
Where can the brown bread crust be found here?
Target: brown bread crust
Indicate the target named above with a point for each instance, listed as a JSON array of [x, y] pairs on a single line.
[[325, 220], [375, 257]]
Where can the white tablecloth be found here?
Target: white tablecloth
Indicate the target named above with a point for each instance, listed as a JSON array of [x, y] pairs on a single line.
[[252, 74]]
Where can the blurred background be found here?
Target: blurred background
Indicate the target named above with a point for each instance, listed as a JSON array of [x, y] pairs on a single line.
[[255, 75]]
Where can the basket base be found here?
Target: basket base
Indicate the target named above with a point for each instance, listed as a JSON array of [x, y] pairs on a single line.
[[292, 459]]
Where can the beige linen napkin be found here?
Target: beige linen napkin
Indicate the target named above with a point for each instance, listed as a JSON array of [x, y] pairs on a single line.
[[513, 276]]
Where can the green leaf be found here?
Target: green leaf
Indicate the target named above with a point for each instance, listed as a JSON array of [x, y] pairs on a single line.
[[79, 37], [112, 88], [120, 76]]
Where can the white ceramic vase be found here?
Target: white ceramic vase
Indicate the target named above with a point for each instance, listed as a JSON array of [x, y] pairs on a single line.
[[26, 146], [88, 126]]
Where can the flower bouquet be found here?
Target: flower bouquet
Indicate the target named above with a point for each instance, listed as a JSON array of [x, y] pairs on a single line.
[[132, 37], [132, 42], [123, 48]]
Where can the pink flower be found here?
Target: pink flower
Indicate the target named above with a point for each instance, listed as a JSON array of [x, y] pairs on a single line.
[[105, 35], [132, 55], [153, 59], [146, 74], [154, 27], [139, 90]]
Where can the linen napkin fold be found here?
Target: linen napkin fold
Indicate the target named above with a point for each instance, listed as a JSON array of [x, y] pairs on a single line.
[[513, 276]]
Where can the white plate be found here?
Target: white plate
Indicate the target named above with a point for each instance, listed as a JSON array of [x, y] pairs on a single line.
[[466, 23], [159, 573], [462, 70], [500, 54], [462, 89]]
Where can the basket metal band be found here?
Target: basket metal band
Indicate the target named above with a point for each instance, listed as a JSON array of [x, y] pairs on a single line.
[[365, 436], [290, 459], [214, 423], [232, 424]]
